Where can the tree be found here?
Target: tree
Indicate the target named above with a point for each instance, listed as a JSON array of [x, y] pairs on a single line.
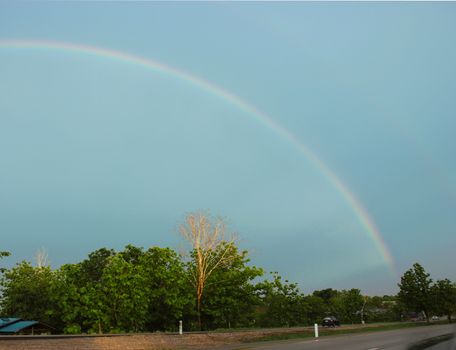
[[382, 309], [415, 290], [230, 296], [211, 248], [348, 304], [80, 301], [27, 292], [79, 296], [316, 309], [123, 295], [131, 290], [444, 297], [168, 289], [69, 297], [2, 255], [92, 267], [41, 258], [285, 304], [326, 294], [329, 297]]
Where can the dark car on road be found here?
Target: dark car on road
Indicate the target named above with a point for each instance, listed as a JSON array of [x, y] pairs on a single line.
[[330, 321]]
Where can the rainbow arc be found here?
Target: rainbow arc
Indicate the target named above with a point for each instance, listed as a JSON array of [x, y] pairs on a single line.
[[263, 118]]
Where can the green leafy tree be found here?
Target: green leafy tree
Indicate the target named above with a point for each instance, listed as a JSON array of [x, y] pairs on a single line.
[[132, 290], [169, 292], [92, 267], [231, 298], [284, 304], [444, 297], [27, 293], [415, 290], [329, 297], [316, 308], [69, 294], [326, 294], [78, 292], [2, 255], [80, 301], [93, 309], [348, 304], [123, 292], [382, 309]]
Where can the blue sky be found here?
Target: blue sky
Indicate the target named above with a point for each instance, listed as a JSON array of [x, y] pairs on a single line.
[[101, 153]]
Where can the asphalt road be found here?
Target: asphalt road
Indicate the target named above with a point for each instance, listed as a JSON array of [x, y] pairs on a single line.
[[391, 340], [447, 345]]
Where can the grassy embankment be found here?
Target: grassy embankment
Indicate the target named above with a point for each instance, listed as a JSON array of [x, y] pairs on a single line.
[[374, 327]]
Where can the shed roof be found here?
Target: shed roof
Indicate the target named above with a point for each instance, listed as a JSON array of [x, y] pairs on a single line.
[[8, 320], [17, 326]]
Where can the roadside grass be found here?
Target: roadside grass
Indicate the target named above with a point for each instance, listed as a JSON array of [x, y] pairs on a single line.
[[323, 332]]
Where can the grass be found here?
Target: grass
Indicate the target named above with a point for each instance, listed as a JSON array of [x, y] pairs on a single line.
[[338, 331]]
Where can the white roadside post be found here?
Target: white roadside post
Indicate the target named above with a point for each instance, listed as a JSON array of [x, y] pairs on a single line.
[[180, 327], [316, 330]]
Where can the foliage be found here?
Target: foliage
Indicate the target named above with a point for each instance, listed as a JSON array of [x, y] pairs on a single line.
[[211, 250], [2, 255], [133, 290], [347, 305], [71, 298], [26, 292], [284, 304], [123, 295], [383, 309], [230, 295], [316, 308], [92, 267], [415, 290], [168, 292], [444, 298], [136, 290], [326, 295]]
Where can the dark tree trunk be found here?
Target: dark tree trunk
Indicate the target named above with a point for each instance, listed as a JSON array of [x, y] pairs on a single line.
[[198, 310]]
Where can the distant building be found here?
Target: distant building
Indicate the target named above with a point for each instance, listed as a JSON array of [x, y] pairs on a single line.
[[12, 325]]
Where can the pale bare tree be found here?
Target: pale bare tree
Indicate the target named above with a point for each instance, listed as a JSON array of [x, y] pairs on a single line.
[[41, 258], [211, 249]]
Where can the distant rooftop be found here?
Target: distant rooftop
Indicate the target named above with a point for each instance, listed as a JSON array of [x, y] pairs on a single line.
[[14, 325], [7, 320], [17, 326]]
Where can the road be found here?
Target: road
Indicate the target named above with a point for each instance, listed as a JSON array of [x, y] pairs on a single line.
[[447, 345], [390, 340]]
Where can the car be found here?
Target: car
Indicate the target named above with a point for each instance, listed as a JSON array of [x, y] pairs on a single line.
[[330, 321]]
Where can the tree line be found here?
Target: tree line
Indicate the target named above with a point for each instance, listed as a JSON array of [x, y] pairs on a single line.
[[213, 286]]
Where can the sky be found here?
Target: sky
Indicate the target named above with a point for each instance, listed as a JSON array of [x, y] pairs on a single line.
[[323, 132]]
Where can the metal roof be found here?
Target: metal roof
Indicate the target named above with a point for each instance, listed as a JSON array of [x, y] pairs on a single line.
[[7, 320], [17, 326]]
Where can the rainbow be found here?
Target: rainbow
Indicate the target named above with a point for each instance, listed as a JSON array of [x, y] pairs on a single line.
[[266, 120]]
